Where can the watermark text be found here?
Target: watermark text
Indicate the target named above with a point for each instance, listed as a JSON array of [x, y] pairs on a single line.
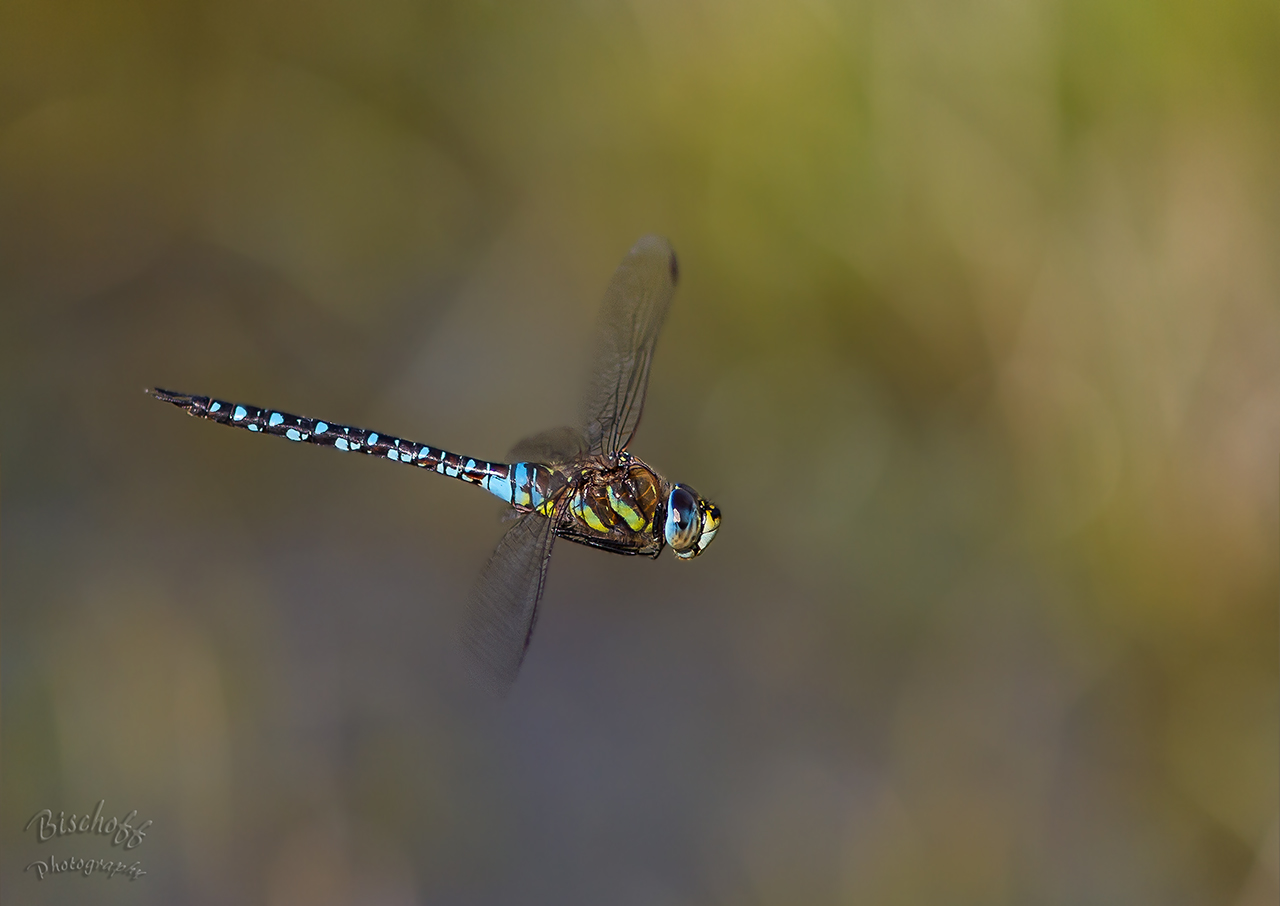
[[120, 830], [85, 867]]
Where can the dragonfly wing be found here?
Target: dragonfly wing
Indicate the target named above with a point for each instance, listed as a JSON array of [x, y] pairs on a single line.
[[503, 607], [635, 305], [558, 445]]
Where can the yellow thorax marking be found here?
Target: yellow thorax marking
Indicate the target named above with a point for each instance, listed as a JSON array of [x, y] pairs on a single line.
[[629, 514], [588, 515]]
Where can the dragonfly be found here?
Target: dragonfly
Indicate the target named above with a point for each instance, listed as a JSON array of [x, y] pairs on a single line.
[[579, 482]]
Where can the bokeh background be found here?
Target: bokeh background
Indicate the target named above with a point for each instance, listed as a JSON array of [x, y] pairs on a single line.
[[977, 346]]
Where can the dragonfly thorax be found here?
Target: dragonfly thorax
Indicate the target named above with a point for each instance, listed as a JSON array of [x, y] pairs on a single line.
[[617, 502]]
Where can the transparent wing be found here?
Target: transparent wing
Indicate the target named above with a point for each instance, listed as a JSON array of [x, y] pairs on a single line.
[[503, 607], [558, 445], [635, 305]]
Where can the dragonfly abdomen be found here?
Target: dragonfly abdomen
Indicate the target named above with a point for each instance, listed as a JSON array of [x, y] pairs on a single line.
[[522, 484]]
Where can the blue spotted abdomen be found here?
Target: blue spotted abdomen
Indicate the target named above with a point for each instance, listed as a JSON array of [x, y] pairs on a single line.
[[524, 485]]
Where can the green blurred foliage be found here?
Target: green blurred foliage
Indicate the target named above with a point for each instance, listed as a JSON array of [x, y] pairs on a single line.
[[976, 346]]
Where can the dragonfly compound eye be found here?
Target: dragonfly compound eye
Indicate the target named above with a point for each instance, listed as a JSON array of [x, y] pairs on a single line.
[[691, 522], [684, 523]]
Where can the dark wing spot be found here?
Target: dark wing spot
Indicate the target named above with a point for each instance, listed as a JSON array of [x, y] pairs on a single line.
[[675, 269]]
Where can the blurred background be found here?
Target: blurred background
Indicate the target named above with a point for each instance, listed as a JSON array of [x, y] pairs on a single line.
[[977, 347]]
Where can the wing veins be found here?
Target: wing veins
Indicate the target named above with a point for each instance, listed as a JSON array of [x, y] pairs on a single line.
[[503, 608]]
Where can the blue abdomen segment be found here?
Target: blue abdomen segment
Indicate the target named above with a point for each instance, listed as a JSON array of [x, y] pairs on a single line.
[[523, 484]]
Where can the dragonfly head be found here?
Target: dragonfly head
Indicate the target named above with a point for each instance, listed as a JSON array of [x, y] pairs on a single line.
[[691, 522]]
